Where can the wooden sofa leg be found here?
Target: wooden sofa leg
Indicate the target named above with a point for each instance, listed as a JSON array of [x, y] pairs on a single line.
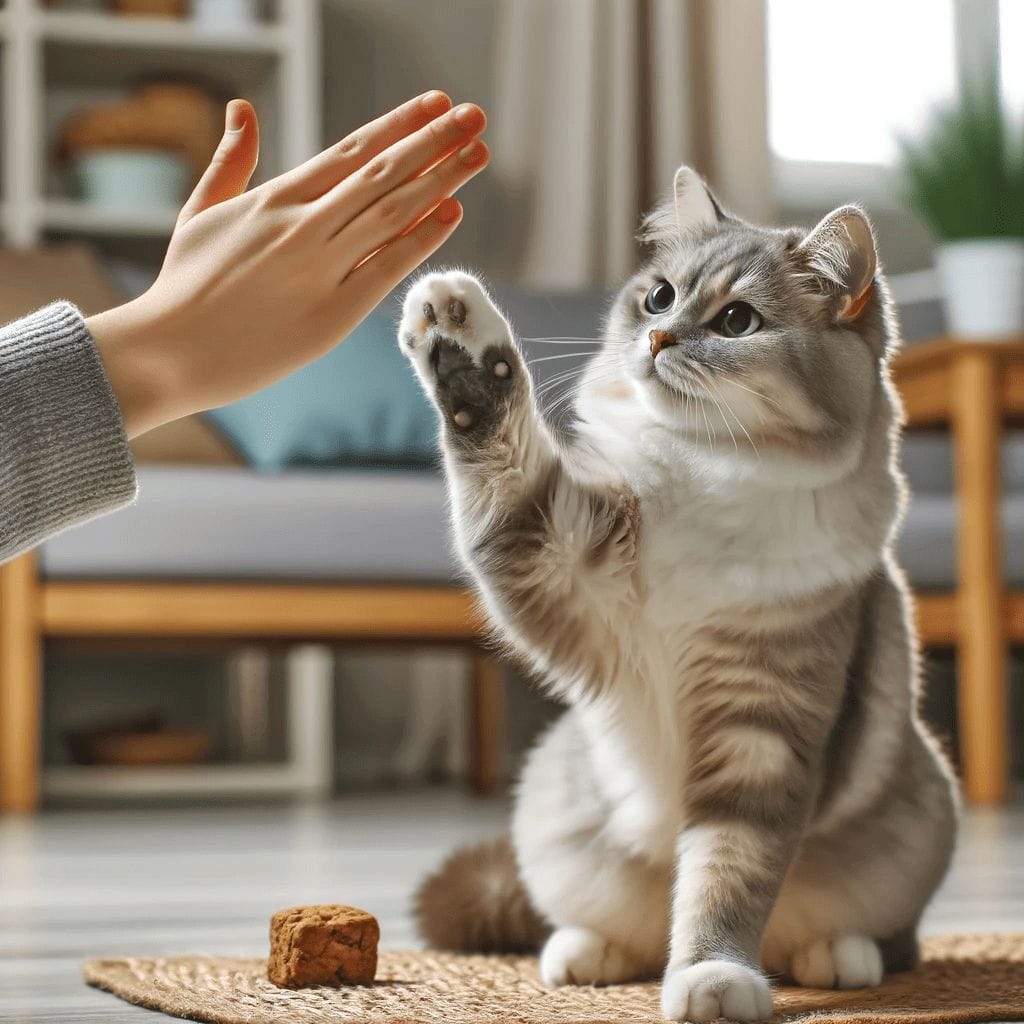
[[487, 714], [20, 685]]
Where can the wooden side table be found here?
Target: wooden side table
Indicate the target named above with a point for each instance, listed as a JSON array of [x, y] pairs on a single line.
[[976, 389]]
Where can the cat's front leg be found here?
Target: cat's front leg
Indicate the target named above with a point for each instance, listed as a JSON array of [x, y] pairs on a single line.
[[723, 891], [553, 553], [748, 792]]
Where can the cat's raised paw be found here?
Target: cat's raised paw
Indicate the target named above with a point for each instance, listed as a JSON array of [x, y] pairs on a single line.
[[842, 961], [579, 956], [453, 305], [711, 989], [463, 350]]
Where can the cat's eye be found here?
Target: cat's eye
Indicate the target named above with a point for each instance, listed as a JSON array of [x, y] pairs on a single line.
[[660, 298], [737, 320]]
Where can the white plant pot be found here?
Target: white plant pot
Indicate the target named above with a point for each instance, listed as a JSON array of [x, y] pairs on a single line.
[[983, 286], [225, 15]]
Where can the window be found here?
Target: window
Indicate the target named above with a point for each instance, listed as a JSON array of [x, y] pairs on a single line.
[[845, 80], [1011, 54]]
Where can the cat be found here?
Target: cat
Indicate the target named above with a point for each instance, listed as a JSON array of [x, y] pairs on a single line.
[[703, 571]]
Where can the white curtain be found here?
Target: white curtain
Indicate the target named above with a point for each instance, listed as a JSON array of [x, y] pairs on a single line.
[[597, 102]]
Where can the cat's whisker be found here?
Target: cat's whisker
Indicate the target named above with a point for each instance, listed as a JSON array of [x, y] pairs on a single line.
[[558, 381], [561, 355], [756, 394], [563, 341], [721, 412], [732, 412], [563, 377]]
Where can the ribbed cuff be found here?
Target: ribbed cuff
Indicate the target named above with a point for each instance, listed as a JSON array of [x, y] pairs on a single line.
[[64, 454]]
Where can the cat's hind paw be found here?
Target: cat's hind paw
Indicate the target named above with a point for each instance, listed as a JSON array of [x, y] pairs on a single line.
[[579, 956], [711, 989], [462, 348], [843, 961]]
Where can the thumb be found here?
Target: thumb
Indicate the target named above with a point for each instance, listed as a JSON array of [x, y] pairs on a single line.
[[232, 164]]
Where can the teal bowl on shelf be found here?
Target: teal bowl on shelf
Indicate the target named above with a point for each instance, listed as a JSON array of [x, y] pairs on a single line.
[[130, 180]]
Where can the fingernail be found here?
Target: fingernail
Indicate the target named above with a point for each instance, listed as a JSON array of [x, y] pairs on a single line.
[[472, 154], [234, 118], [435, 102], [449, 211], [467, 116]]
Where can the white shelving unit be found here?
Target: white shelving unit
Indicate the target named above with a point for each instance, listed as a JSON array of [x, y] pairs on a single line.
[[306, 771], [54, 61]]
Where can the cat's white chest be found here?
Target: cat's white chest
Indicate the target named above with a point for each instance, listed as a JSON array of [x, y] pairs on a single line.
[[730, 544]]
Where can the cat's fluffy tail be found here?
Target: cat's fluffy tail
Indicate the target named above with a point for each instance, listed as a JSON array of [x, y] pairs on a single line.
[[476, 903]]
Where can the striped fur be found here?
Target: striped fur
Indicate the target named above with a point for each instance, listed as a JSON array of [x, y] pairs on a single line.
[[741, 786]]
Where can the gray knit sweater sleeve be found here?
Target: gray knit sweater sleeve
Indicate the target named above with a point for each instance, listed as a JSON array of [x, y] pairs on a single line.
[[64, 455]]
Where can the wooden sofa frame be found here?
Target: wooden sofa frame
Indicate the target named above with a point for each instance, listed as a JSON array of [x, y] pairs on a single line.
[[34, 610]]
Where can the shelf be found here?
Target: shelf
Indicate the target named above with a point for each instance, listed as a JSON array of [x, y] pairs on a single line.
[[156, 33], [101, 782], [77, 218]]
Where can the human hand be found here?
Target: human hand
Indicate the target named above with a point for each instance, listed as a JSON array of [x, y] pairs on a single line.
[[257, 284]]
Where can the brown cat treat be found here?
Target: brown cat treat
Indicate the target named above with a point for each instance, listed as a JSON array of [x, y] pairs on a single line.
[[329, 944]]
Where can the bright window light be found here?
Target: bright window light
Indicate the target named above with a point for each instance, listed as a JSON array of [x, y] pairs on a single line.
[[846, 80], [1011, 53]]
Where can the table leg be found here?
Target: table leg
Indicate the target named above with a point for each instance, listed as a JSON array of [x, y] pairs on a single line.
[[982, 697], [487, 705], [20, 685]]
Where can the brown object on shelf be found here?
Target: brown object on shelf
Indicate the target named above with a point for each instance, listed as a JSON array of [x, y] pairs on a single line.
[[151, 8], [173, 116], [329, 944], [143, 746]]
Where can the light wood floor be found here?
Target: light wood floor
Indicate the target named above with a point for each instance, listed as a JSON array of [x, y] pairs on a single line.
[[88, 883]]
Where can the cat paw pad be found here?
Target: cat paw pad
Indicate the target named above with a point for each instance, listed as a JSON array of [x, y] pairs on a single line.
[[462, 349]]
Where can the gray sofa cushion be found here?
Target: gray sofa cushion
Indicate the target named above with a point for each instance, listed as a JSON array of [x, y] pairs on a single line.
[[927, 546], [928, 462], [234, 523]]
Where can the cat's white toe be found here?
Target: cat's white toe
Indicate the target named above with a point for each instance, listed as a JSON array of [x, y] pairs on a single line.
[[715, 988], [844, 961], [453, 305], [579, 956]]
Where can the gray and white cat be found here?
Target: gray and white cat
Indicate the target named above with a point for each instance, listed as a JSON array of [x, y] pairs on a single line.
[[704, 573]]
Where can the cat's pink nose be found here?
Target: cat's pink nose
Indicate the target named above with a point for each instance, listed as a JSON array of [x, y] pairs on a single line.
[[660, 340]]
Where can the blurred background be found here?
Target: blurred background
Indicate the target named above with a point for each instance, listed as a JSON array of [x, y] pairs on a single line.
[[327, 485]]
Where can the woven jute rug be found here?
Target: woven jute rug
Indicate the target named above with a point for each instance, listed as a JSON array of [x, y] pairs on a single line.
[[963, 978]]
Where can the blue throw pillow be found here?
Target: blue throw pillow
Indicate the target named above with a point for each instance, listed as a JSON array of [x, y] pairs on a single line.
[[359, 405]]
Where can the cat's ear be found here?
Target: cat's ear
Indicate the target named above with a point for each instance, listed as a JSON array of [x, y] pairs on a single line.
[[696, 208], [840, 252]]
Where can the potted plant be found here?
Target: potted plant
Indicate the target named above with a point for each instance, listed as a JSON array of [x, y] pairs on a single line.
[[965, 178]]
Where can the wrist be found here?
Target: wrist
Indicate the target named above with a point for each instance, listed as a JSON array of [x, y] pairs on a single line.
[[139, 366]]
